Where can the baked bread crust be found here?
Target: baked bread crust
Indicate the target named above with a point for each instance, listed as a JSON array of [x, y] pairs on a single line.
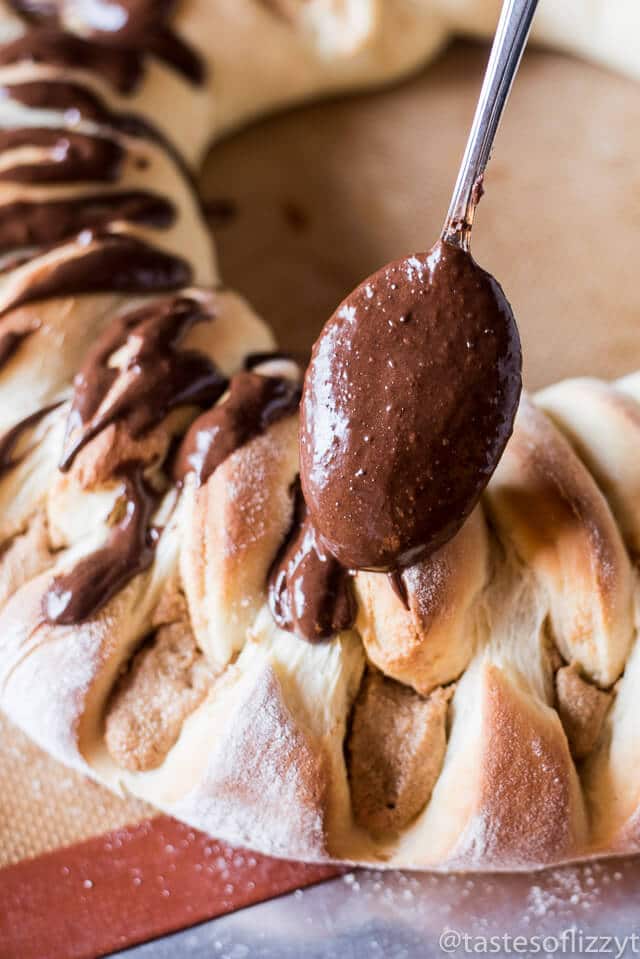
[[481, 714]]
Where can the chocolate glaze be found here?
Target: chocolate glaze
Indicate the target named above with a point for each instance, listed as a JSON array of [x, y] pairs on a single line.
[[168, 46], [70, 156], [253, 404], [142, 25], [121, 68], [159, 374], [11, 438], [252, 360], [399, 586], [309, 591], [118, 264], [77, 102], [408, 403], [45, 223], [134, 28], [75, 596]]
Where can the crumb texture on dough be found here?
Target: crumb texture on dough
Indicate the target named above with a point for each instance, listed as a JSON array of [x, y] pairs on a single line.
[[582, 708], [396, 748], [166, 680]]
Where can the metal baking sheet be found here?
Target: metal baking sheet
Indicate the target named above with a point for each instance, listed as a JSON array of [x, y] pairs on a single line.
[[587, 909]]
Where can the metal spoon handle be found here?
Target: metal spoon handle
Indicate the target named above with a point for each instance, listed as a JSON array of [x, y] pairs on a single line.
[[508, 46]]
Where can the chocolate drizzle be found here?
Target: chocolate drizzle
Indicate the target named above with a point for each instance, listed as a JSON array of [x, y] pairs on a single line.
[[75, 596], [118, 264], [140, 26], [118, 35], [158, 375], [399, 586], [12, 437], [69, 156], [253, 404], [252, 360], [77, 102], [45, 223], [121, 68], [309, 591]]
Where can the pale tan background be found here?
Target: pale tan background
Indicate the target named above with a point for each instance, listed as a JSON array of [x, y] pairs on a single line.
[[327, 193], [372, 176]]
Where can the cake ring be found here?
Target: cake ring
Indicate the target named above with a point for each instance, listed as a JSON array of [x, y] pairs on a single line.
[[170, 624]]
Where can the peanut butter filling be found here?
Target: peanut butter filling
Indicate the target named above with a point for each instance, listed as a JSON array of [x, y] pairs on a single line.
[[166, 681], [395, 752], [582, 708]]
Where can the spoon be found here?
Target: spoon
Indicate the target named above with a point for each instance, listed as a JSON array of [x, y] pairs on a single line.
[[509, 42], [414, 382]]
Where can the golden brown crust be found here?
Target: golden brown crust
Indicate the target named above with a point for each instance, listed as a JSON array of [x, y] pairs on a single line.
[[232, 528], [611, 775], [432, 641], [508, 794], [602, 422], [529, 810], [266, 781], [545, 503]]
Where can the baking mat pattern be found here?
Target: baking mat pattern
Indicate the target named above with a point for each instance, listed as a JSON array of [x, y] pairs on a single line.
[[44, 805], [131, 885]]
